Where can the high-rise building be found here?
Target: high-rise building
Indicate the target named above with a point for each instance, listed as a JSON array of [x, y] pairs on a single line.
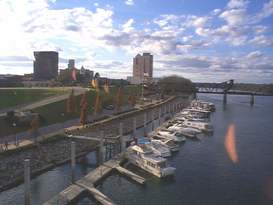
[[142, 67], [45, 65], [71, 64]]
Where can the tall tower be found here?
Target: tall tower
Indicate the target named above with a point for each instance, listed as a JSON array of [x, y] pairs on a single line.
[[142, 67], [45, 65]]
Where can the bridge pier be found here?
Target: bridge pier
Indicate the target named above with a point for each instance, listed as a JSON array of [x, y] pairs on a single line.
[[225, 98], [252, 100]]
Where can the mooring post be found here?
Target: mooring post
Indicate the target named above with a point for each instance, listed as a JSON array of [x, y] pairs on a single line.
[[145, 123], [121, 129], [101, 157], [252, 99], [122, 140], [27, 181], [159, 116], [73, 161], [152, 120]]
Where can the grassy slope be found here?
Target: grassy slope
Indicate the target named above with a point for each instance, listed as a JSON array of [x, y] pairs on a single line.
[[13, 97], [56, 112]]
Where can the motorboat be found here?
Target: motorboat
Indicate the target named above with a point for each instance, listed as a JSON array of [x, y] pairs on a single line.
[[174, 147], [185, 131], [203, 105], [159, 149], [142, 156], [203, 126], [196, 112], [175, 136]]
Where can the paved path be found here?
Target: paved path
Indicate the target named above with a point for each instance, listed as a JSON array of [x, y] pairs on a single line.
[[46, 101], [26, 138]]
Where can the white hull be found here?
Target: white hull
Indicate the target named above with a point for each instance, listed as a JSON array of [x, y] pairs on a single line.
[[141, 163]]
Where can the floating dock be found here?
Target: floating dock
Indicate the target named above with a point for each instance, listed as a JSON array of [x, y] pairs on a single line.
[[87, 184]]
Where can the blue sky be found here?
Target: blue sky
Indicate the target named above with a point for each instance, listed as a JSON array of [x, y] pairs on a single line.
[[209, 41]]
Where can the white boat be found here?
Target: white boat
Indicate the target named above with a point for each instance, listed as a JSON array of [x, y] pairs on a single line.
[[175, 136], [174, 147], [204, 105], [186, 131], [196, 112], [143, 157], [159, 149], [193, 113], [203, 126]]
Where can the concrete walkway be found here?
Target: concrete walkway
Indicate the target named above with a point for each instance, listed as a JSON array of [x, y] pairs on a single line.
[[26, 138]]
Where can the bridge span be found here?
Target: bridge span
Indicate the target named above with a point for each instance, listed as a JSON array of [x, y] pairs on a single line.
[[225, 88]]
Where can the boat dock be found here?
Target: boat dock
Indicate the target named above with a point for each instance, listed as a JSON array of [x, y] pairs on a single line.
[[87, 183]]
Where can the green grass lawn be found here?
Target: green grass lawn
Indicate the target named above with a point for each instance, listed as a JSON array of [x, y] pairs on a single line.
[[56, 112], [13, 97]]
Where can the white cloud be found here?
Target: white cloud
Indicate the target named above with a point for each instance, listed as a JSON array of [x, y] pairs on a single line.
[[216, 12], [234, 17], [266, 11], [262, 40], [200, 22], [237, 4], [127, 27], [129, 2]]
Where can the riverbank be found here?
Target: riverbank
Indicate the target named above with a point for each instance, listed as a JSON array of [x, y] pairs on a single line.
[[56, 150], [44, 156]]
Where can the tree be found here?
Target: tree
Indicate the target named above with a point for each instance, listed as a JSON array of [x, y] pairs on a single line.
[[98, 104], [84, 106], [174, 84], [71, 103]]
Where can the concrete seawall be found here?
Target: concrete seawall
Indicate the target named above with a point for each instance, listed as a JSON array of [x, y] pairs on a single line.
[[51, 154]]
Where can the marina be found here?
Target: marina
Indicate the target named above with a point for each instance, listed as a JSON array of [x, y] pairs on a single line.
[[144, 153], [190, 162]]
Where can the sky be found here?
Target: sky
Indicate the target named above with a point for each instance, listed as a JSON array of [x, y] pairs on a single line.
[[203, 40]]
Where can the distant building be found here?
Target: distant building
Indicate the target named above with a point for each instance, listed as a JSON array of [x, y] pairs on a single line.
[[71, 64], [83, 76], [10, 80], [142, 68], [45, 65]]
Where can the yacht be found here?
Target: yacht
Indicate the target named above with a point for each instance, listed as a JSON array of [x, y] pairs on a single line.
[[186, 131], [197, 112], [203, 126], [143, 157], [175, 136], [159, 149], [203, 105], [174, 147]]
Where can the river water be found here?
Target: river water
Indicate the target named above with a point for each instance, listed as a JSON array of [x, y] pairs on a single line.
[[204, 175]]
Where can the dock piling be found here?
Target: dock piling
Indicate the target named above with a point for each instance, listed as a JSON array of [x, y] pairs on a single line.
[[225, 98], [134, 126], [252, 100], [27, 181], [145, 123], [159, 116], [101, 153], [73, 161], [152, 120]]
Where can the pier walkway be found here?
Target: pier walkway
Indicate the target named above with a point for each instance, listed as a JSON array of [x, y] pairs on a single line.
[[87, 183]]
